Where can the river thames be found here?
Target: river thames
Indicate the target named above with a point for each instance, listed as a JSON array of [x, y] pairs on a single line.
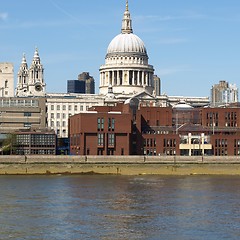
[[119, 207]]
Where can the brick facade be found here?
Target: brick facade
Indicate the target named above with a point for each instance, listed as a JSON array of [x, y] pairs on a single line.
[[156, 131]]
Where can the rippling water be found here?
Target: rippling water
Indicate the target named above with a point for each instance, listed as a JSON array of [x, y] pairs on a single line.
[[119, 207]]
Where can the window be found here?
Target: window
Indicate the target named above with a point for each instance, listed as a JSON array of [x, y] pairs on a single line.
[[75, 108], [27, 124], [27, 114], [69, 107], [81, 108], [64, 107], [58, 115], [52, 107], [102, 125], [64, 124], [100, 122], [111, 124], [64, 116], [52, 115], [111, 139], [58, 107], [58, 124], [100, 139]]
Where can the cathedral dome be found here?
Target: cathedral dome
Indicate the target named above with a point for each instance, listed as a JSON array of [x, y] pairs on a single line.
[[126, 43], [126, 67]]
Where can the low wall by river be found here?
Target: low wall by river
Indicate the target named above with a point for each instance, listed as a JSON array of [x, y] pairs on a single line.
[[121, 165]]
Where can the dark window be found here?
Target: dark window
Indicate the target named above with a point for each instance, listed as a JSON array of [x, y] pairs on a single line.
[[27, 114]]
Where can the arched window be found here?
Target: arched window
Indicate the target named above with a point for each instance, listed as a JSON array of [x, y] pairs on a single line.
[[6, 83]]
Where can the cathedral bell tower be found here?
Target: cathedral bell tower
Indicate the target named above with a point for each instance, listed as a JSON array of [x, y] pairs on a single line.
[[31, 81], [36, 83], [22, 85]]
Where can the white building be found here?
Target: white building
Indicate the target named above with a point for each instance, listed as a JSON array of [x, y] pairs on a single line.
[[61, 106], [6, 80]]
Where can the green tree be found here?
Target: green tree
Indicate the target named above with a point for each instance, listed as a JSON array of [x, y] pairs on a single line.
[[9, 144]]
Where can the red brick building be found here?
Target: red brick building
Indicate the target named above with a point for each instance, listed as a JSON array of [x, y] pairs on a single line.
[[182, 130], [102, 131]]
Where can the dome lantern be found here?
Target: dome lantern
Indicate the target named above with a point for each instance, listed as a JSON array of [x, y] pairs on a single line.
[[127, 22]]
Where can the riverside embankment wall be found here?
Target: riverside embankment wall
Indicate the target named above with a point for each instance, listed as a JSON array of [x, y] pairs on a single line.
[[122, 165]]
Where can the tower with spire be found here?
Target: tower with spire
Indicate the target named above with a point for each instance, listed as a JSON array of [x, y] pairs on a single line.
[[31, 81], [22, 83]]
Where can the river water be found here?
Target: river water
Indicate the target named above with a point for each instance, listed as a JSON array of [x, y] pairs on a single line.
[[119, 207]]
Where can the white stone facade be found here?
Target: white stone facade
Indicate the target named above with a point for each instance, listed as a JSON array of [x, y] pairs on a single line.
[[6, 80], [61, 106]]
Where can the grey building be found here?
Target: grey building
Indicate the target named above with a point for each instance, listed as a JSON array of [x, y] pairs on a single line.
[[157, 85], [224, 93], [40, 142], [76, 86], [89, 82], [22, 113], [84, 84]]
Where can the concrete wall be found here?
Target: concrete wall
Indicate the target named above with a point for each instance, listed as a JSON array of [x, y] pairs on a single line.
[[131, 165], [117, 159]]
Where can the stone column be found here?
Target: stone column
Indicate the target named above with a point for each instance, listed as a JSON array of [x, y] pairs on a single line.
[[103, 79], [133, 77], [190, 143], [146, 78], [118, 78], [143, 78], [202, 144], [138, 78], [110, 78]]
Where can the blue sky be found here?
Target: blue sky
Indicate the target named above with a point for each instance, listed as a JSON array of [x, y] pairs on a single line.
[[191, 44]]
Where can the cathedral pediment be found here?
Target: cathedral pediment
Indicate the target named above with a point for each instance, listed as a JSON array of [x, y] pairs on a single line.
[[144, 96]]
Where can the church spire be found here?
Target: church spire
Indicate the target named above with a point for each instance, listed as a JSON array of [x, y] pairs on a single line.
[[24, 59], [126, 5], [127, 22], [24, 65]]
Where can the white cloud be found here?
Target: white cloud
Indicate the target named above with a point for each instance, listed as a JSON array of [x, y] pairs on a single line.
[[3, 16]]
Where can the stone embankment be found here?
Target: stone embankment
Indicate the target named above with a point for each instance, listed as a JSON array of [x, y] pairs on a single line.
[[121, 165]]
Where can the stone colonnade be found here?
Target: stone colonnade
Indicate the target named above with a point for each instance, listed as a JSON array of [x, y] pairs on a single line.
[[126, 77]]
